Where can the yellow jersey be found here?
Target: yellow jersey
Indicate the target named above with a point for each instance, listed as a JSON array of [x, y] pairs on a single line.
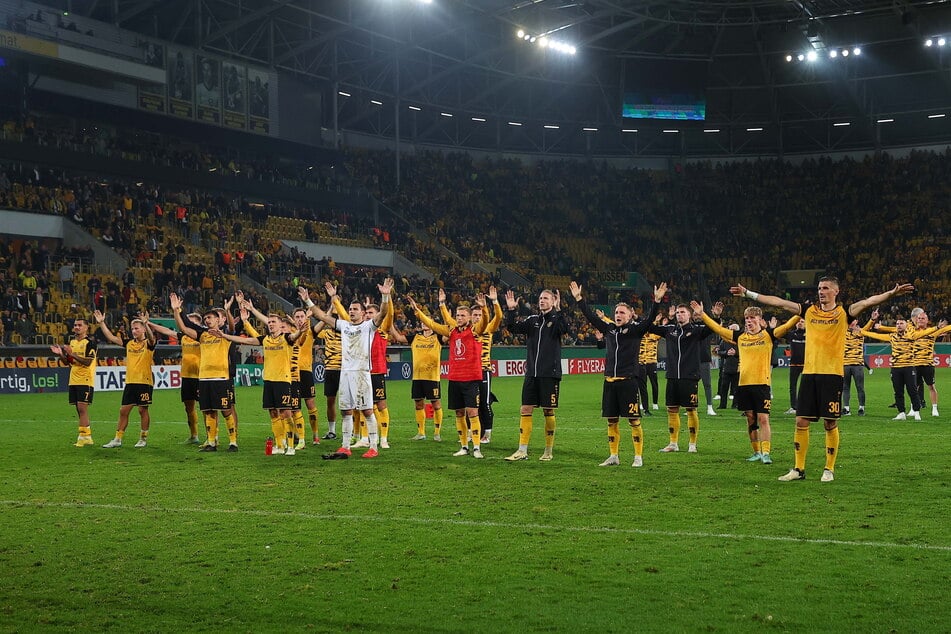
[[83, 374], [139, 356], [825, 339]]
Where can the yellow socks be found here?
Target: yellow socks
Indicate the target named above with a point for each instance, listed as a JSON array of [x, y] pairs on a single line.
[[693, 425], [475, 428], [549, 432], [614, 438], [312, 416], [801, 444], [461, 430], [231, 422], [383, 420], [832, 448], [120, 434], [673, 426], [765, 446], [421, 422], [277, 430], [637, 436], [211, 427], [85, 431], [298, 417], [524, 429], [437, 421], [288, 430]]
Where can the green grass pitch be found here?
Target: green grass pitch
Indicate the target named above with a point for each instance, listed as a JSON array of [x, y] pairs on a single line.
[[166, 539]]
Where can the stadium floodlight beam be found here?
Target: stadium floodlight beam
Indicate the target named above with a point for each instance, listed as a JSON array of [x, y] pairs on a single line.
[[929, 42], [885, 121], [833, 54], [857, 50], [376, 102], [589, 129], [937, 116], [478, 119], [788, 58], [942, 41], [754, 129], [343, 94], [515, 123], [629, 130], [841, 124], [845, 53], [711, 130], [671, 131], [414, 108], [445, 114], [551, 127], [800, 57], [520, 33], [812, 56]]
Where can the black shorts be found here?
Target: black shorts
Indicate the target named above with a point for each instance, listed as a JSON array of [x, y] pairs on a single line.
[[331, 382], [80, 394], [379, 387], [189, 390], [541, 392], [649, 368], [463, 394], [137, 394], [307, 387], [754, 398], [619, 399], [215, 394], [295, 395], [681, 393], [276, 395], [820, 396], [926, 373], [426, 390]]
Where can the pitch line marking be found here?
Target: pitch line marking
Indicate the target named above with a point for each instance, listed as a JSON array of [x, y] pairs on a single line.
[[477, 524]]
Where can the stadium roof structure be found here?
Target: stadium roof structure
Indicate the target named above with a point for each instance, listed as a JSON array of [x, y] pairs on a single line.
[[477, 74]]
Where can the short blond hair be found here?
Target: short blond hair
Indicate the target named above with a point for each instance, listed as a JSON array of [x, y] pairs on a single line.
[[753, 311]]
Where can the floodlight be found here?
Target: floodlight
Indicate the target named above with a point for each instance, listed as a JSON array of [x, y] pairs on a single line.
[[376, 102], [885, 121], [845, 53], [515, 123], [833, 54], [754, 129], [800, 57], [551, 127], [857, 50], [936, 116], [942, 41], [711, 130], [415, 108], [445, 114], [520, 34], [543, 41], [343, 94], [671, 131], [789, 58], [589, 129], [929, 42], [841, 124], [812, 56], [479, 119], [629, 130]]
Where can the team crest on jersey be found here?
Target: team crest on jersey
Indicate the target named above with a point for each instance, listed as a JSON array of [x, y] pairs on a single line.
[[460, 348]]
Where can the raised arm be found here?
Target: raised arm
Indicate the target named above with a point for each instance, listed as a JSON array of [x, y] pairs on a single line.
[[101, 320], [149, 335], [782, 329], [900, 289], [386, 289], [724, 333], [176, 303], [247, 341], [440, 329], [162, 330], [247, 305], [314, 308], [770, 300], [496, 308]]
